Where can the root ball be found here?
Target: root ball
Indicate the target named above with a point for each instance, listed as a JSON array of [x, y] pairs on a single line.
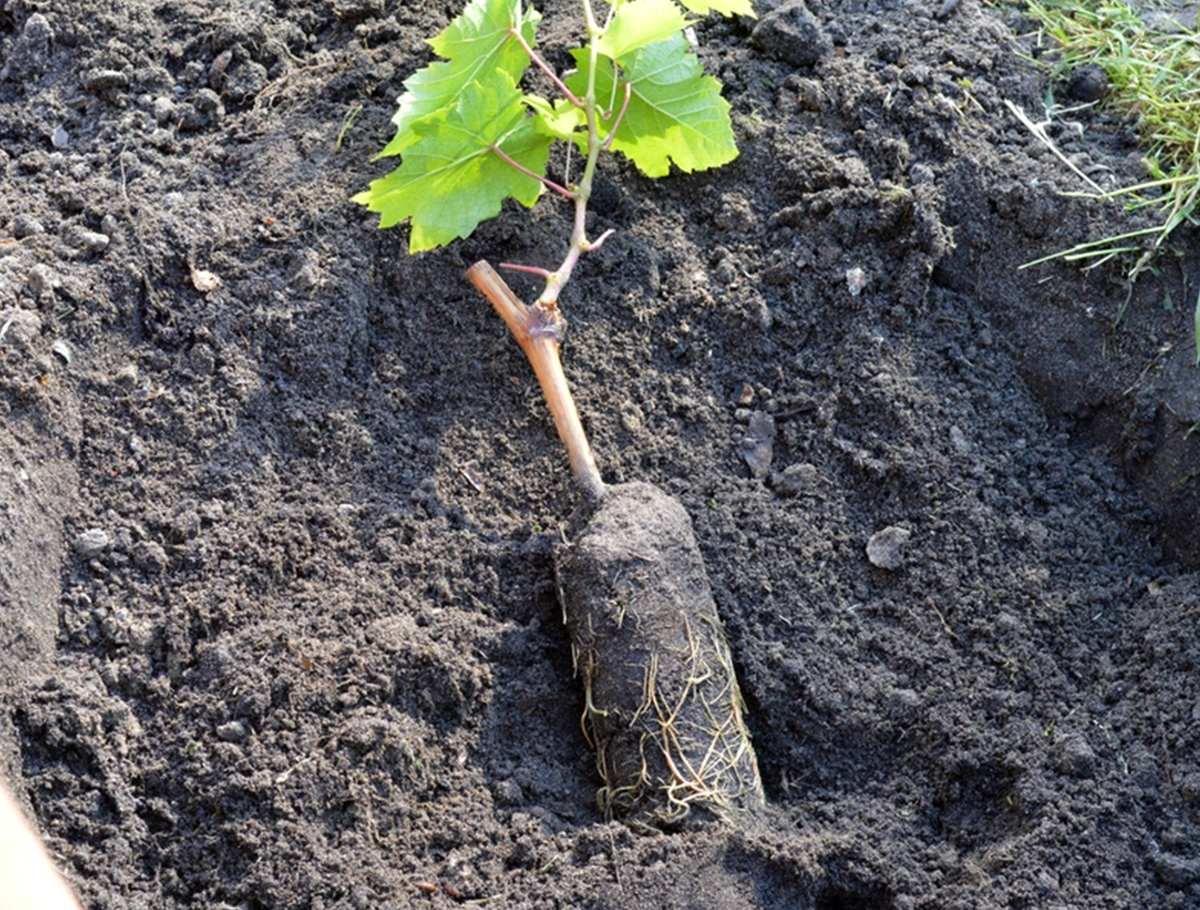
[[662, 705]]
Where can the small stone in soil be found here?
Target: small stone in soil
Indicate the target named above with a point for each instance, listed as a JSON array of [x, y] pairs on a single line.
[[885, 549], [22, 325], [92, 543], [37, 34], [93, 241], [1074, 757], [163, 109], [232, 732], [41, 280], [99, 80], [959, 440], [758, 445], [509, 793], [150, 557], [795, 479]]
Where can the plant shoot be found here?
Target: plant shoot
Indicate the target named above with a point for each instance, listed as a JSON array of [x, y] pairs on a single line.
[[664, 712], [469, 137]]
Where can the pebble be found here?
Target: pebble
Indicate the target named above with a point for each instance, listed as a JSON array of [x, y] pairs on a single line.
[[1073, 756], [41, 280], [37, 34], [885, 549], [232, 732], [959, 440], [94, 241], [795, 479], [921, 174], [150, 557], [632, 420], [208, 102], [163, 109], [509, 793], [101, 80], [163, 140], [60, 138], [758, 445], [91, 543]]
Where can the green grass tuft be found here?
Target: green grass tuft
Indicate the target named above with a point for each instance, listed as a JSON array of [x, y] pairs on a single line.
[[1154, 75]]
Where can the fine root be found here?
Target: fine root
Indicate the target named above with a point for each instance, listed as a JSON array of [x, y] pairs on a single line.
[[693, 734]]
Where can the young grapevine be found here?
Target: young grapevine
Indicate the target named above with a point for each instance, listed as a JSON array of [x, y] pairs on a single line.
[[469, 137]]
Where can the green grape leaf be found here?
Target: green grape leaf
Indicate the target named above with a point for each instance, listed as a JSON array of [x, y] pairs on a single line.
[[561, 120], [450, 179], [726, 7], [479, 41], [676, 114], [637, 23]]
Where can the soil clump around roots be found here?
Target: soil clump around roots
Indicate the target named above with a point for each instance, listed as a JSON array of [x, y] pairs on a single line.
[[662, 706], [279, 504]]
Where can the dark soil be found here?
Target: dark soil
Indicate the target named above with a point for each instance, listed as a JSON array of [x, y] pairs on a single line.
[[280, 623]]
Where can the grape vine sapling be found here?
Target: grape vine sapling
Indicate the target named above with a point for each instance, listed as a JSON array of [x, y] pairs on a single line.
[[662, 705]]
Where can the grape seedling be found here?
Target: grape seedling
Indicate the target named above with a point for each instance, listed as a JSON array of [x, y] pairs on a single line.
[[663, 708], [469, 137]]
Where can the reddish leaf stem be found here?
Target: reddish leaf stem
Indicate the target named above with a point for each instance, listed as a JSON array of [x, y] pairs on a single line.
[[531, 269], [545, 181], [620, 116], [545, 68], [595, 244]]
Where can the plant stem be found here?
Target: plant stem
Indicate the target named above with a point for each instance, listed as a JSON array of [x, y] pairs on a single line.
[[612, 133], [539, 331], [545, 181], [583, 190], [545, 67], [528, 269]]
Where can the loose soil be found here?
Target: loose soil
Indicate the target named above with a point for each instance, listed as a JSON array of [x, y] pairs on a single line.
[[279, 504]]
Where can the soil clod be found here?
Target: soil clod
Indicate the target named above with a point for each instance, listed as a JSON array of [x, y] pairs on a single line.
[[662, 704]]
